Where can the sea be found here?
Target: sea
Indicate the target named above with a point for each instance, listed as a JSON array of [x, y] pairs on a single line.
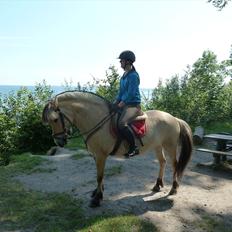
[[5, 90]]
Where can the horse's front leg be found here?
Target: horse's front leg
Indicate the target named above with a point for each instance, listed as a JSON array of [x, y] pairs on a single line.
[[97, 194]]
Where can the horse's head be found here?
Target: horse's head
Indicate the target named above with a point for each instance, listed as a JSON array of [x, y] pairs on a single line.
[[55, 118]]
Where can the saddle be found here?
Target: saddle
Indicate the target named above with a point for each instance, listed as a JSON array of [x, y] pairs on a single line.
[[137, 127]]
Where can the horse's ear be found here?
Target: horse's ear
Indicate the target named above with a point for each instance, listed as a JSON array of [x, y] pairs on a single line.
[[54, 103], [44, 114]]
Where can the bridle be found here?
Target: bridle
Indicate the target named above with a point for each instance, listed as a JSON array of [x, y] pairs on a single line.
[[62, 117], [87, 133]]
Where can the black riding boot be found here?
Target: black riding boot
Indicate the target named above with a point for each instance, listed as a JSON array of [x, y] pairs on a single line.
[[133, 149]]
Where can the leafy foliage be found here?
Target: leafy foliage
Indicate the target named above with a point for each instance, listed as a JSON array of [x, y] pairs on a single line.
[[167, 98], [21, 126], [201, 95], [69, 86], [108, 87], [7, 131], [220, 4]]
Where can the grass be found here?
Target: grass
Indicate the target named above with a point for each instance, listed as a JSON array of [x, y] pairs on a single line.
[[210, 224], [24, 163], [114, 170], [79, 155], [126, 223], [22, 209], [217, 127], [75, 143]]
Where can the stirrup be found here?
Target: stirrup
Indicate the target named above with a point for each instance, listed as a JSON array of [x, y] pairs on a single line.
[[132, 153]]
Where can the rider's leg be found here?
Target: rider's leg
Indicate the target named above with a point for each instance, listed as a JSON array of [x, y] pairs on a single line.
[[128, 114], [128, 135]]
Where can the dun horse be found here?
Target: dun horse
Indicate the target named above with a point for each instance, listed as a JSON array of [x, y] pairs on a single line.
[[91, 114]]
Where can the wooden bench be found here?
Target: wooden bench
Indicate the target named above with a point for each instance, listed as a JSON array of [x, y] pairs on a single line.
[[214, 151], [223, 146]]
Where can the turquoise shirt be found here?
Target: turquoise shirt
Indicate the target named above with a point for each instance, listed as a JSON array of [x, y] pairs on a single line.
[[129, 89]]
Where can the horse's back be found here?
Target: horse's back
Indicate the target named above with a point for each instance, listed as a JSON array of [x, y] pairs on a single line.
[[161, 117], [162, 126]]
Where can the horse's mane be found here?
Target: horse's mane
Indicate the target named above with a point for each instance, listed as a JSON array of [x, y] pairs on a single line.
[[72, 94]]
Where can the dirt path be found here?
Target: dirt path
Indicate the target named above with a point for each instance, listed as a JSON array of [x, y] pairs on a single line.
[[203, 192]]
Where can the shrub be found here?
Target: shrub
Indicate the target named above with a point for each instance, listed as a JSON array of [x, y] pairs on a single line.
[[7, 132], [21, 128]]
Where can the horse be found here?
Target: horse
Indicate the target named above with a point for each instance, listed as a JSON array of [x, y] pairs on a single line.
[[92, 115]]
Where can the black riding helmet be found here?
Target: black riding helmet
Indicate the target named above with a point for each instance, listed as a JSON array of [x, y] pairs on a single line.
[[127, 55]]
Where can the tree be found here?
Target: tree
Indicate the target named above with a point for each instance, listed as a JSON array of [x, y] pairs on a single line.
[[226, 100], [168, 97], [108, 87], [201, 95], [204, 92], [220, 4]]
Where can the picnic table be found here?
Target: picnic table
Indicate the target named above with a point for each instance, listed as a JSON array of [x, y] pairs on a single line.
[[223, 146]]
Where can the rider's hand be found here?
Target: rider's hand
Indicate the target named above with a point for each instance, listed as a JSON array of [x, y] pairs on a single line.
[[121, 104]]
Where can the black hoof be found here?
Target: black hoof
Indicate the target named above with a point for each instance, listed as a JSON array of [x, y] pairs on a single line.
[[100, 195], [156, 189], [173, 192], [94, 193], [94, 203], [126, 156]]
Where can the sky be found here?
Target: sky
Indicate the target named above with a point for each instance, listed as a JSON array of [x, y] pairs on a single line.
[[75, 40]]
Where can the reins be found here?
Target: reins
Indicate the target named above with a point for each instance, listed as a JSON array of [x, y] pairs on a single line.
[[89, 132]]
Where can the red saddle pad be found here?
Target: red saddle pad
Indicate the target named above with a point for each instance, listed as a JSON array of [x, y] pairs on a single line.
[[139, 127]]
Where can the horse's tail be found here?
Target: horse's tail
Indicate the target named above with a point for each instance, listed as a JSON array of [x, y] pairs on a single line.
[[186, 147]]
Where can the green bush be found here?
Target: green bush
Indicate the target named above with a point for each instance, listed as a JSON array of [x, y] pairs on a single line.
[[7, 132], [21, 128]]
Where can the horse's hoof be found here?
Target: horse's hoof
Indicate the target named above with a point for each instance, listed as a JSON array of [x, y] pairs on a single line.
[[94, 193], [126, 156], [156, 189], [94, 203], [173, 192]]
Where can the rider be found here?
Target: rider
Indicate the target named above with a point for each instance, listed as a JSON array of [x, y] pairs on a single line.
[[128, 99]]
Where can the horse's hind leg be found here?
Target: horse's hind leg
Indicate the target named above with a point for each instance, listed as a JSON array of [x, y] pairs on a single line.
[[162, 161], [175, 184], [172, 153], [97, 194]]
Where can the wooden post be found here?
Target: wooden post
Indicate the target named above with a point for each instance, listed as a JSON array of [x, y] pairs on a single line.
[[198, 135]]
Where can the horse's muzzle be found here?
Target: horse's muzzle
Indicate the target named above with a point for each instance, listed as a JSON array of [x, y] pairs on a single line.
[[60, 139]]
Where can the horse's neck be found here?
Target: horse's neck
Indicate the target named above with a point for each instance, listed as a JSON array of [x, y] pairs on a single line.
[[84, 112]]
